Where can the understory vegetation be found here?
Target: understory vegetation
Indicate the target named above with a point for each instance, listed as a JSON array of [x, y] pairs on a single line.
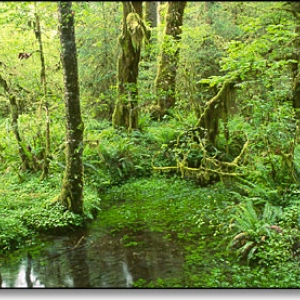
[[237, 234], [218, 172]]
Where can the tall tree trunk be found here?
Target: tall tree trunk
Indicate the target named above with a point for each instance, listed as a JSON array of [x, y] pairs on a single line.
[[151, 13], [151, 18], [72, 187], [165, 81], [44, 103], [133, 32]]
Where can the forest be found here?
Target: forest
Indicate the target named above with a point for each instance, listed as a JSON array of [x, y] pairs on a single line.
[[150, 144]]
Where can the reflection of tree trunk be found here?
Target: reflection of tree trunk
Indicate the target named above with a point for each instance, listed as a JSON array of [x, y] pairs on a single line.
[[133, 31], [72, 188], [79, 265], [166, 75], [28, 271]]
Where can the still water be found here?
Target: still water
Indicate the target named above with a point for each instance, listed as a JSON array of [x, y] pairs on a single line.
[[93, 259]]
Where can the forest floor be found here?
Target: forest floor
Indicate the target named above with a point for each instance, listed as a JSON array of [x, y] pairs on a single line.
[[193, 217]]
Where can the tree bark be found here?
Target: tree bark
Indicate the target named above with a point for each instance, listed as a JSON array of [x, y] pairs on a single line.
[[133, 32], [165, 82], [71, 194], [151, 13]]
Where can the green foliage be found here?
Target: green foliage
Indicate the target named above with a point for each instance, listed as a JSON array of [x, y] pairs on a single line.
[[26, 210], [256, 236], [97, 34], [54, 219], [118, 156], [13, 232]]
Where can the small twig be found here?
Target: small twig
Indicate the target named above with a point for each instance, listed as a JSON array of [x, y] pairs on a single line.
[[78, 243]]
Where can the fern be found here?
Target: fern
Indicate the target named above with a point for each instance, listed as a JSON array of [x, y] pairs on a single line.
[[250, 230]]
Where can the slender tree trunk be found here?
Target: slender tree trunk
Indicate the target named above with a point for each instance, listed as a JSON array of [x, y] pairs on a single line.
[[27, 163], [44, 104], [296, 74], [133, 31], [72, 187], [151, 13], [165, 81]]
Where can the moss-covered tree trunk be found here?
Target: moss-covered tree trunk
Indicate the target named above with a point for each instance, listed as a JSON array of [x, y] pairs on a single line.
[[25, 154], [27, 165], [165, 81], [215, 109], [133, 31], [71, 194]]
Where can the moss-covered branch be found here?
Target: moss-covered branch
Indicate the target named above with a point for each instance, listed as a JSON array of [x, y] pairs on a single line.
[[209, 165]]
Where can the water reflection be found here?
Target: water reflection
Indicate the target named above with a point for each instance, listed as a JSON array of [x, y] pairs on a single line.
[[21, 275], [94, 259]]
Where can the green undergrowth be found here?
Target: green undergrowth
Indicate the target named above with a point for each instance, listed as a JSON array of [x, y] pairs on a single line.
[[242, 232], [26, 212], [156, 203]]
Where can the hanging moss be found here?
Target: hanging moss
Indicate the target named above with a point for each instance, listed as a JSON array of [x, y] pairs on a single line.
[[217, 108], [137, 29], [134, 32]]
